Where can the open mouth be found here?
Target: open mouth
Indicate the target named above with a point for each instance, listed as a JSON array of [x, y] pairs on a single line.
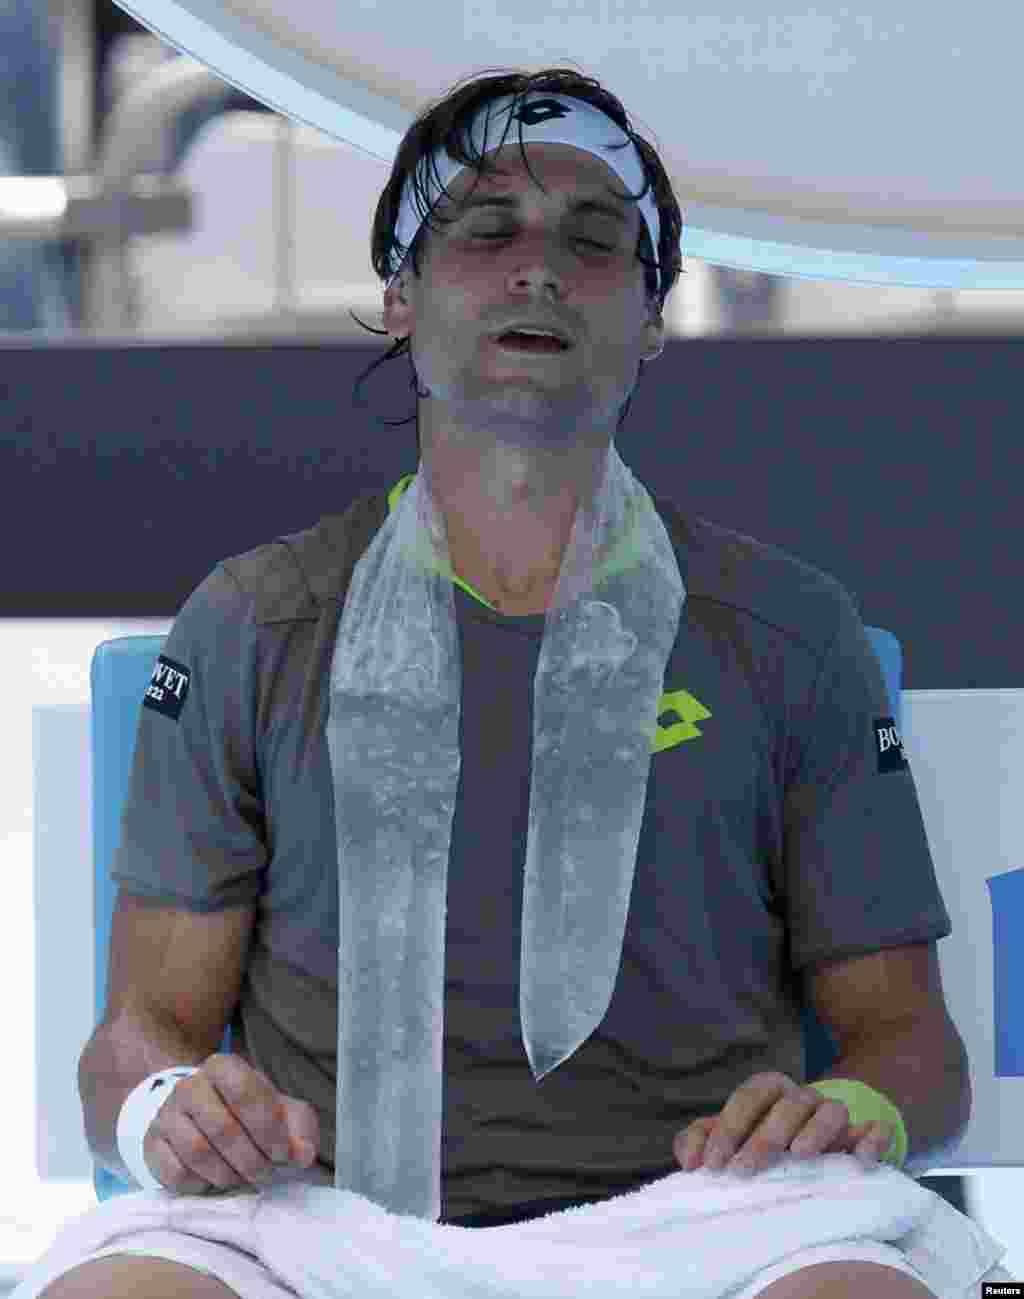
[[513, 340]]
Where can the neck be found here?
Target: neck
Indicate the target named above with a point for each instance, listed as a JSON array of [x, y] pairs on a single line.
[[509, 519]]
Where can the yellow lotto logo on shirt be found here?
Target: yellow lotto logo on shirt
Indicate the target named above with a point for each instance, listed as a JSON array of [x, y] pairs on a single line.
[[678, 711]]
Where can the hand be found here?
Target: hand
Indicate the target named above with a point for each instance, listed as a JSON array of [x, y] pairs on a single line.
[[227, 1125], [769, 1115]]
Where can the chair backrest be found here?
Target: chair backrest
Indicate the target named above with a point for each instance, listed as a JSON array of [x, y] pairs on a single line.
[[119, 676]]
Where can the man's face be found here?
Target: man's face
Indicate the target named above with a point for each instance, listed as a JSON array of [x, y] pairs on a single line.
[[534, 259]]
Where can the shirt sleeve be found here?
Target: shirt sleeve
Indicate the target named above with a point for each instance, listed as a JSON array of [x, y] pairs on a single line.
[[858, 872], [192, 827]]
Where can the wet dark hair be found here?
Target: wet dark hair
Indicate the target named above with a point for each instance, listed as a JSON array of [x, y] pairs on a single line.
[[446, 123]]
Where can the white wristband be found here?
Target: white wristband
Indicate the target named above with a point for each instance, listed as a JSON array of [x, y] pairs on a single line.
[[138, 1112]]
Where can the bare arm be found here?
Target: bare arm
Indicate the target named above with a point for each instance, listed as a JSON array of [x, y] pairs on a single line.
[[116, 1059]]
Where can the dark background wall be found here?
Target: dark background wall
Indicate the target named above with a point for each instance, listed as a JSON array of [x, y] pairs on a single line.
[[127, 472]]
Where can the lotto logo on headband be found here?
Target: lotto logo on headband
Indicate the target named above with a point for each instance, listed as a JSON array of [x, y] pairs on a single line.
[[540, 110], [168, 688], [890, 747]]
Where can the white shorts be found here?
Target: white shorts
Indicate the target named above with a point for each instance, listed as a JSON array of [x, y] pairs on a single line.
[[859, 1251], [240, 1272]]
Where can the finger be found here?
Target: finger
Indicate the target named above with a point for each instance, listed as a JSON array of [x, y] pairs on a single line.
[[875, 1145], [210, 1140], [801, 1115], [828, 1124], [689, 1144], [743, 1112], [257, 1106], [223, 1169], [303, 1130], [171, 1172]]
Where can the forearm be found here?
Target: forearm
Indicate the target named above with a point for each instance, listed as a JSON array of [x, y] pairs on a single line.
[[115, 1060], [924, 1072]]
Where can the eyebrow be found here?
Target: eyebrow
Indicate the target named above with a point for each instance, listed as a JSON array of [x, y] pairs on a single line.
[[576, 206]]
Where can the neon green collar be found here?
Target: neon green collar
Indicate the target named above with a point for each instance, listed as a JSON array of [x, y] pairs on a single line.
[[619, 557]]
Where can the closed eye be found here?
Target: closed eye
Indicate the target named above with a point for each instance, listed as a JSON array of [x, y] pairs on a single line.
[[607, 248]]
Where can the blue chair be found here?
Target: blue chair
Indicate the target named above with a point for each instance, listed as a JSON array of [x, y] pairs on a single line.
[[119, 674]]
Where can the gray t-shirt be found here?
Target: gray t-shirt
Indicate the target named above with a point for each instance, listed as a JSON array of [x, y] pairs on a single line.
[[779, 831]]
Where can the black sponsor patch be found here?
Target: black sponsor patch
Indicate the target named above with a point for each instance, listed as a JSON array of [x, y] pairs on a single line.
[[889, 745], [168, 688]]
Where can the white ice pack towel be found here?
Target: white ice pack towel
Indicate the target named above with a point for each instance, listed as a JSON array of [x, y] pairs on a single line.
[[392, 733], [693, 1235]]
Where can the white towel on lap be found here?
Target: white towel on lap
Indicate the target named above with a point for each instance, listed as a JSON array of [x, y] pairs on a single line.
[[693, 1235]]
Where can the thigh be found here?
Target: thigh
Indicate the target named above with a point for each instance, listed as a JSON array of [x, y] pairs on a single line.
[[131, 1276], [802, 1271], [194, 1268], [848, 1281]]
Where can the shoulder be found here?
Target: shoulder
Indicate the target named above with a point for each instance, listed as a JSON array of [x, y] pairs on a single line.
[[725, 572], [732, 574], [294, 576]]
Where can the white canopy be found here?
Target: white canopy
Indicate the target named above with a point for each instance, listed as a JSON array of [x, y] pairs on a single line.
[[876, 143]]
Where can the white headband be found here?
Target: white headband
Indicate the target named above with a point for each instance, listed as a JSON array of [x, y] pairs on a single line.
[[546, 119]]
